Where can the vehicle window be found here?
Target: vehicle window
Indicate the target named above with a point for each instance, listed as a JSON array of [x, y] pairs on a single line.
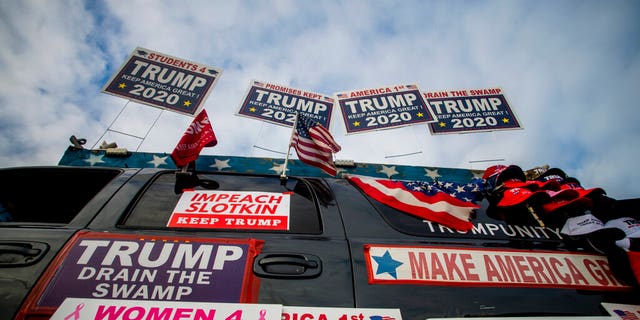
[[155, 206], [49, 194], [485, 227]]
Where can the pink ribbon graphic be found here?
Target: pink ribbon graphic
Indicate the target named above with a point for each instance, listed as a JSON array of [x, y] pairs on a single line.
[[75, 315], [262, 312]]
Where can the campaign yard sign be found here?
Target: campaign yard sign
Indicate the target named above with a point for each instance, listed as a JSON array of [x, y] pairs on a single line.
[[334, 313], [108, 309], [98, 265], [457, 266], [163, 81], [278, 104], [475, 110], [383, 108], [207, 209]]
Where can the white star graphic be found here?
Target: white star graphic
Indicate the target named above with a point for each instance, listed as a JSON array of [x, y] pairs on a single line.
[[339, 172], [93, 159], [157, 161], [389, 171], [477, 174], [433, 174], [220, 164], [278, 168]]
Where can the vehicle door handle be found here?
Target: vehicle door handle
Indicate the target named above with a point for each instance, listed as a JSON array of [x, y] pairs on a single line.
[[18, 254], [287, 265]]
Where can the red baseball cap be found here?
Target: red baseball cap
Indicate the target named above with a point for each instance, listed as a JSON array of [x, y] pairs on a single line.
[[566, 199], [533, 184], [516, 196], [552, 174], [496, 175], [574, 184]]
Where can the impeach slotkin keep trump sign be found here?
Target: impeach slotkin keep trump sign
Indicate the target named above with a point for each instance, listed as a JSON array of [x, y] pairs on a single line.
[[475, 110], [278, 104], [249, 210], [383, 108], [163, 81]]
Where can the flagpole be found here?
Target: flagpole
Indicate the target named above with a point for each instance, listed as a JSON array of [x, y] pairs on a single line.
[[283, 175]]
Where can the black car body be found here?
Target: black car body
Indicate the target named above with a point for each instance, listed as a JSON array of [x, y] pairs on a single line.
[[99, 232]]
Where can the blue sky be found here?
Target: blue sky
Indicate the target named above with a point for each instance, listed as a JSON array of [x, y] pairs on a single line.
[[570, 69]]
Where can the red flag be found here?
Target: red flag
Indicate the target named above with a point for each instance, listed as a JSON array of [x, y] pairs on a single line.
[[426, 201], [634, 261], [199, 134], [314, 144]]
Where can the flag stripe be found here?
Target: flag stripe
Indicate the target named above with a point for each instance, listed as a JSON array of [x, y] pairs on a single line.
[[314, 144], [308, 154], [322, 137], [423, 197], [441, 207]]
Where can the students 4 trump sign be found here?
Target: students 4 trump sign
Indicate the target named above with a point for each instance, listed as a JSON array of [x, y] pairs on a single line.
[[163, 81]]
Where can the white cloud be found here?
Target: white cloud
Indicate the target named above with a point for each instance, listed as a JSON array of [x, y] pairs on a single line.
[[570, 70]]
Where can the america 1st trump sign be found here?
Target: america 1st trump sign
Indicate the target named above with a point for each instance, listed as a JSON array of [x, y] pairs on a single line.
[[383, 108]]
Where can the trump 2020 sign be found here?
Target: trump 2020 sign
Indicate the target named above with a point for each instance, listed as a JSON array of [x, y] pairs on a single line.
[[383, 108], [476, 110], [163, 81], [278, 104]]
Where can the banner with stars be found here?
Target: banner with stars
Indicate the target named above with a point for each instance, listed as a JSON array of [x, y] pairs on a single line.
[[482, 267], [383, 108], [163, 81], [475, 110], [278, 104]]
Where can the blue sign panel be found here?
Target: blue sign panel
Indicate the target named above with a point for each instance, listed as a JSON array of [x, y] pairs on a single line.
[[463, 111], [383, 108], [278, 104], [136, 267], [163, 81]]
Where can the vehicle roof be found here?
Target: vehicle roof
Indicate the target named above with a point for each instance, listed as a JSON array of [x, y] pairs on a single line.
[[103, 158]]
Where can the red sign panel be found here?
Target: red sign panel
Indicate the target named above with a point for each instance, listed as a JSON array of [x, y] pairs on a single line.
[[208, 209]]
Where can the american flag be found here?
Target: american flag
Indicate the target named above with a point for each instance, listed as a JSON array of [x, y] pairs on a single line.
[[447, 203], [412, 86], [259, 84], [342, 95], [314, 144]]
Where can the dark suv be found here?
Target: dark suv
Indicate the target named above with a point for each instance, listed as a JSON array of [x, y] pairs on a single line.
[[106, 233]]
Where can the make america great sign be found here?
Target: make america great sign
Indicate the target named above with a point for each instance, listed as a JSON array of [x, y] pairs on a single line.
[[163, 81]]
